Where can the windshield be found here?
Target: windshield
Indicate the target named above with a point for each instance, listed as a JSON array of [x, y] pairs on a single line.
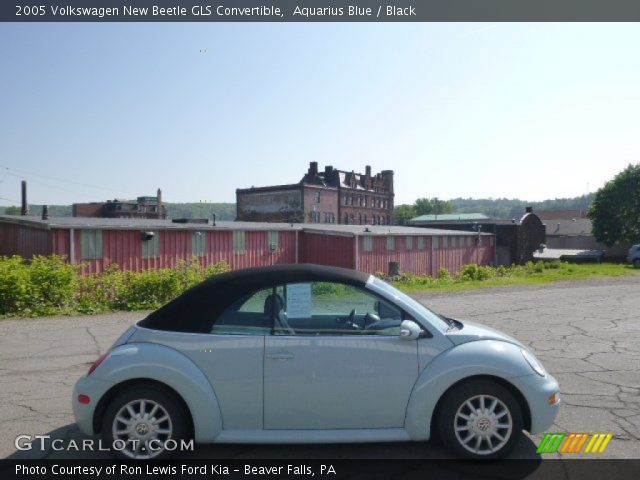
[[420, 308]]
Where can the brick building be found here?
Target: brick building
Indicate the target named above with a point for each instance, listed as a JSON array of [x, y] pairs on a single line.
[[142, 207], [328, 196]]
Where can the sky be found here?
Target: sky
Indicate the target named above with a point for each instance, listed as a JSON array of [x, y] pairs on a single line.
[[90, 112]]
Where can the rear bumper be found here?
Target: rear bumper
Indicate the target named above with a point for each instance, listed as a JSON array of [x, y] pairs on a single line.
[[537, 390]]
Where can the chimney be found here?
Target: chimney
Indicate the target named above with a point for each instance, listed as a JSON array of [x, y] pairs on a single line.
[[367, 177], [45, 212], [160, 215], [25, 206], [327, 170], [529, 209], [387, 180], [313, 168]]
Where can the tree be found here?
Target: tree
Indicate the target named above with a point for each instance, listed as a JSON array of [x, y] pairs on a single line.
[[404, 213], [615, 210], [432, 206], [12, 210]]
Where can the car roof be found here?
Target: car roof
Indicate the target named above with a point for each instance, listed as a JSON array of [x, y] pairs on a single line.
[[195, 310]]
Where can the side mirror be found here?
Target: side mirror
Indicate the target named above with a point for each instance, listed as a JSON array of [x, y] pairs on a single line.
[[410, 330]]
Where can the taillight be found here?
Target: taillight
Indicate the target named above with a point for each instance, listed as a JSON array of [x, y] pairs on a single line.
[[97, 363]]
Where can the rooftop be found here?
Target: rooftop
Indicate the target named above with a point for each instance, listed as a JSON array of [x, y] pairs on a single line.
[[568, 227], [167, 224], [447, 217]]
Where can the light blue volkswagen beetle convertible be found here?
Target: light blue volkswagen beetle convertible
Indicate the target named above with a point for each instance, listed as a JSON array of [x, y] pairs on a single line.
[[304, 353]]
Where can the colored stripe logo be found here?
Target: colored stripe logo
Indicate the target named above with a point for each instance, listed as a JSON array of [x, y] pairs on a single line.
[[574, 442]]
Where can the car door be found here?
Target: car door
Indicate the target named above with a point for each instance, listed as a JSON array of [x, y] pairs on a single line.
[[231, 356], [333, 363]]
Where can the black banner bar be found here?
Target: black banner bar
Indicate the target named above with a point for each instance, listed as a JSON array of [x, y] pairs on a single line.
[[298, 469], [320, 11]]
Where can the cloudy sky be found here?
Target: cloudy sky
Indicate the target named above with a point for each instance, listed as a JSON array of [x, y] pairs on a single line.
[[533, 111]]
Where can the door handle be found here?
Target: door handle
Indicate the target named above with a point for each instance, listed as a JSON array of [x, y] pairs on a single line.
[[280, 356]]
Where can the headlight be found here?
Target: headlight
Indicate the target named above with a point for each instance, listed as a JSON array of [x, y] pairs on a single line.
[[533, 362]]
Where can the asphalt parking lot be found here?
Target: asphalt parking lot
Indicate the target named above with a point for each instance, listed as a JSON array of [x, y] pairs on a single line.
[[587, 334]]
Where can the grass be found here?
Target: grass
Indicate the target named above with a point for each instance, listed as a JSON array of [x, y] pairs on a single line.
[[473, 276]]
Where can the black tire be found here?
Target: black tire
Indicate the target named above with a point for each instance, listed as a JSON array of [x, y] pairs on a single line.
[[449, 421], [178, 421], [636, 263]]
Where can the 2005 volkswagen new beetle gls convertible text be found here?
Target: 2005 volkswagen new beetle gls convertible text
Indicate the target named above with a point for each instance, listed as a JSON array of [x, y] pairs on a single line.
[[311, 354]]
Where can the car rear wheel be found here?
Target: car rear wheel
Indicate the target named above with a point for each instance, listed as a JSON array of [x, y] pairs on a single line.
[[141, 420], [480, 419]]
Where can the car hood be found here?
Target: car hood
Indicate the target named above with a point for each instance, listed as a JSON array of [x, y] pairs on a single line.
[[471, 331]]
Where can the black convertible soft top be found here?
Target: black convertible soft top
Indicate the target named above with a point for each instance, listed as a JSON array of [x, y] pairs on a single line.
[[196, 309]]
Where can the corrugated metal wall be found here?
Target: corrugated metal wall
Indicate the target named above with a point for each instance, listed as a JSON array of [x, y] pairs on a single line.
[[24, 241], [256, 252], [413, 260], [124, 247], [323, 249]]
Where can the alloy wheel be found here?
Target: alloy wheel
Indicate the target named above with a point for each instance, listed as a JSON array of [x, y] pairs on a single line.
[[483, 424], [142, 426]]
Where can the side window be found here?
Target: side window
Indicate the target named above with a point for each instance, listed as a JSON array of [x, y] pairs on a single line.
[[324, 308], [238, 241], [250, 315], [368, 243], [151, 245], [91, 244], [199, 243], [391, 243]]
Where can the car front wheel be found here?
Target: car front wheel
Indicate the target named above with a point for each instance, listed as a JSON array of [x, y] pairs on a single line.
[[636, 263], [480, 420], [140, 422]]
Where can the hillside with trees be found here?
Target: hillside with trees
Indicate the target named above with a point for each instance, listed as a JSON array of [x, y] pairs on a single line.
[[223, 211], [502, 208]]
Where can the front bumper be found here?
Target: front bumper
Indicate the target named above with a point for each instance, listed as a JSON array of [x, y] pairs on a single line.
[[537, 391], [84, 413]]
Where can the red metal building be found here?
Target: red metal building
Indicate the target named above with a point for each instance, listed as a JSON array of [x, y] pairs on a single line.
[[138, 244]]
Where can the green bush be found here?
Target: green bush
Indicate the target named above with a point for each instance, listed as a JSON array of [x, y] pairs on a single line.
[[49, 285], [473, 271], [43, 286], [443, 274]]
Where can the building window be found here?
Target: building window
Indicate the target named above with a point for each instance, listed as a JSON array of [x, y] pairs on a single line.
[[151, 245], [420, 243], [409, 243], [239, 241], [368, 243], [365, 198], [91, 244], [391, 243], [344, 200], [274, 240], [436, 242], [346, 218], [317, 197], [198, 243], [351, 219], [365, 218]]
